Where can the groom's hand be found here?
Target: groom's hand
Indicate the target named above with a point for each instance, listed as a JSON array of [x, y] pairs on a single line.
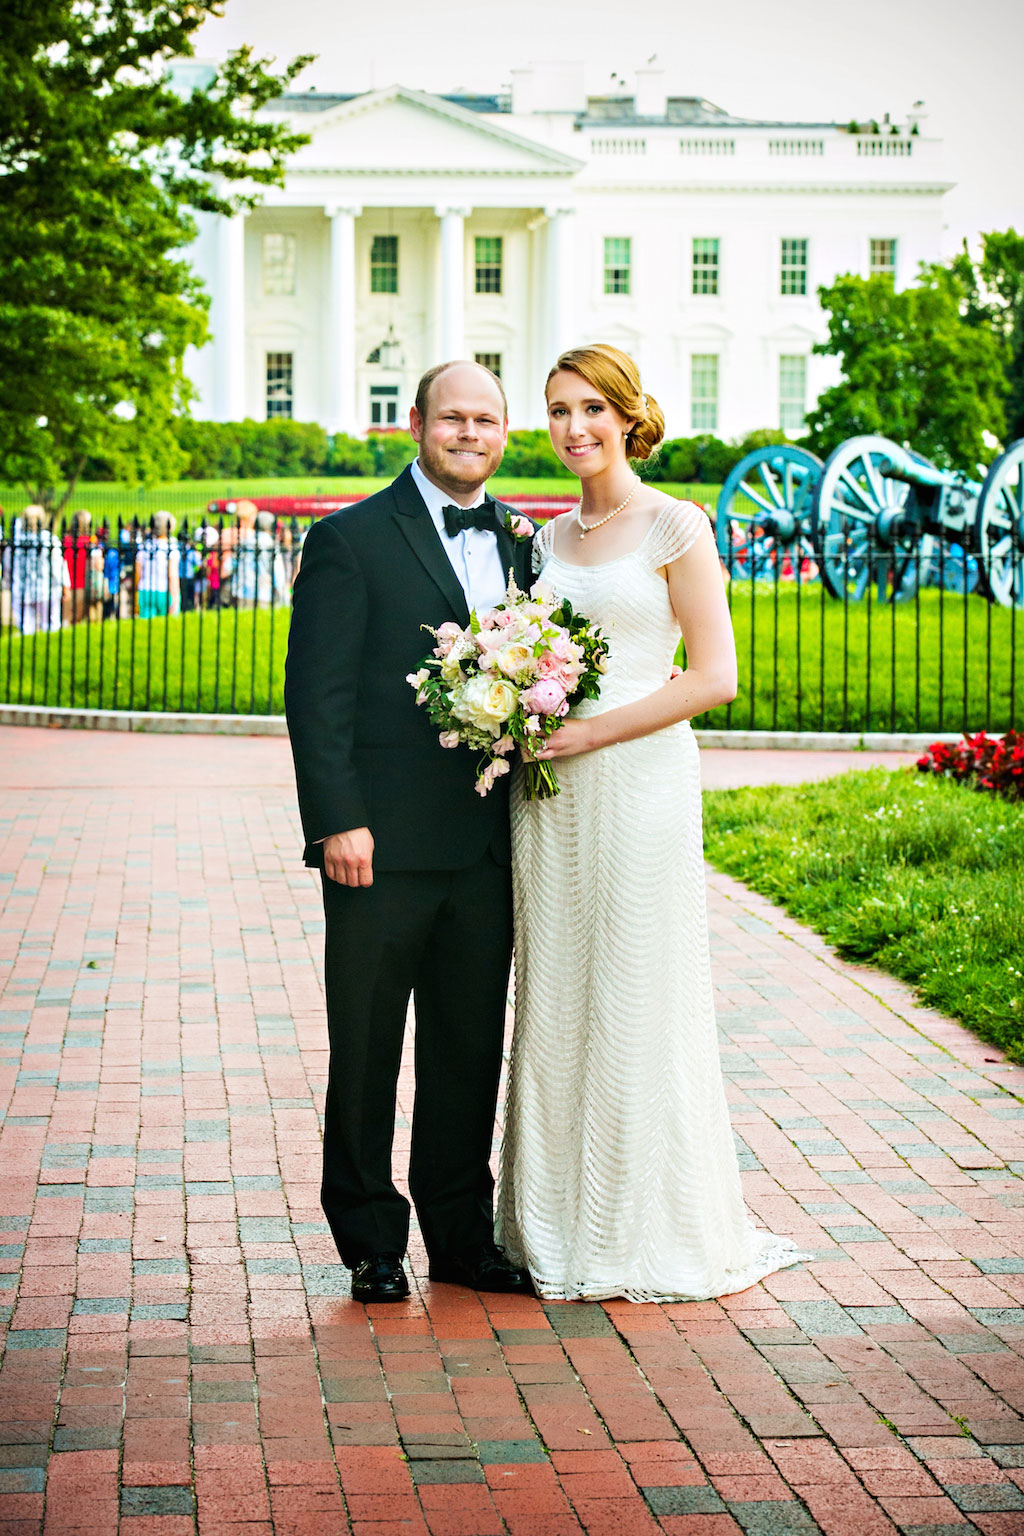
[[348, 857]]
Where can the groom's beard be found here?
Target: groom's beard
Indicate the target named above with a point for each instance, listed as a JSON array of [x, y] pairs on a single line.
[[459, 469]]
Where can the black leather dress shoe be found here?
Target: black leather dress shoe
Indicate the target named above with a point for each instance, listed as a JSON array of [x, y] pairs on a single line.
[[489, 1270], [380, 1277]]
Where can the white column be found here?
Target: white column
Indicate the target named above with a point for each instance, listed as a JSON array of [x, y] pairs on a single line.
[[229, 320], [560, 305], [452, 330], [342, 412]]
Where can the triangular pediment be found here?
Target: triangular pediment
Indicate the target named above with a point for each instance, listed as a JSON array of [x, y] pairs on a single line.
[[399, 130]]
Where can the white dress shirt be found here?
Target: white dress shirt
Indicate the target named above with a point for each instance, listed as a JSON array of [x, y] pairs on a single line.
[[473, 552]]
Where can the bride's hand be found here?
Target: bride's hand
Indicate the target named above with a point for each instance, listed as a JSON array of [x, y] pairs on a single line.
[[570, 740]]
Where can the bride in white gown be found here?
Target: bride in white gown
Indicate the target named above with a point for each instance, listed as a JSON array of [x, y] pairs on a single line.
[[618, 1173]]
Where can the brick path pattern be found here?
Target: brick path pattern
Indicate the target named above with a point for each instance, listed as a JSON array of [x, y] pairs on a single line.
[[180, 1351]]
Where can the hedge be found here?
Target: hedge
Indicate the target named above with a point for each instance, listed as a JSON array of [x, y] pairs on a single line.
[[247, 449]]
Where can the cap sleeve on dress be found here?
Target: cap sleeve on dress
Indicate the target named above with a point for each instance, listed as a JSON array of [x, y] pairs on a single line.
[[673, 531], [543, 544]]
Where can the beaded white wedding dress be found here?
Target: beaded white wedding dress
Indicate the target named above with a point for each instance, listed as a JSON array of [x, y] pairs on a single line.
[[618, 1172]]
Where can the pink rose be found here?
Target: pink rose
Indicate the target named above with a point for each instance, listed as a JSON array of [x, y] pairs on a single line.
[[545, 697], [489, 642], [446, 637], [519, 526], [504, 618]]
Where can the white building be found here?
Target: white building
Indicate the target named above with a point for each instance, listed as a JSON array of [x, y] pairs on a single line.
[[414, 228]]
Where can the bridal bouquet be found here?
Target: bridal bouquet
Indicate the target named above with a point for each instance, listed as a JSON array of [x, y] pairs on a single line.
[[509, 679]]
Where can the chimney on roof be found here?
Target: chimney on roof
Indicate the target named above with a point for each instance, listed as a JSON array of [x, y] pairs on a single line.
[[549, 87], [651, 97]]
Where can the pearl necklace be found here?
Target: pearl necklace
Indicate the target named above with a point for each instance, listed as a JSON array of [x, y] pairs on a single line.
[[586, 528]]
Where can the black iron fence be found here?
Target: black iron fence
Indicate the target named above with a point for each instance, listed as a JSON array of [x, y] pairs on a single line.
[[148, 616], [170, 617]]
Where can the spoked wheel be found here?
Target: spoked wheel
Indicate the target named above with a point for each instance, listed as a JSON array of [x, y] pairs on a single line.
[[999, 528], [763, 512], [857, 526], [950, 567]]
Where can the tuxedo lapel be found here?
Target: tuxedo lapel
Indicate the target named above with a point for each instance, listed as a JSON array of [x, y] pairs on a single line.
[[516, 554], [415, 523]]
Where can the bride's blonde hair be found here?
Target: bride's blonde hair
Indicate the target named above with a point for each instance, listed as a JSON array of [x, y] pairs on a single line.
[[615, 375]]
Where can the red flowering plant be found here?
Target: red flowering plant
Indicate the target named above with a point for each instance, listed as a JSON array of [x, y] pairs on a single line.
[[993, 763]]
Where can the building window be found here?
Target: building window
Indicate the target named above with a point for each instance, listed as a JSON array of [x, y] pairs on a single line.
[[705, 266], [280, 384], [883, 258], [384, 264], [491, 360], [792, 392], [279, 265], [617, 262], [793, 270], [487, 261], [704, 391], [383, 405]]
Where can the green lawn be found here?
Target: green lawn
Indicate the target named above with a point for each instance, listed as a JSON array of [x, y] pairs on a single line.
[[188, 498], [902, 870], [807, 662], [216, 661], [189, 662]]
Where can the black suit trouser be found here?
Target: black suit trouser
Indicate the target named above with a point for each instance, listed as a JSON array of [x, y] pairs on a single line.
[[445, 938]]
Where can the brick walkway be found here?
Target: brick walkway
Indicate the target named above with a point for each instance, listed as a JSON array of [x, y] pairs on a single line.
[[179, 1343]]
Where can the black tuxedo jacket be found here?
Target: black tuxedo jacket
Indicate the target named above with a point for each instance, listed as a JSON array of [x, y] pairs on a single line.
[[366, 755]]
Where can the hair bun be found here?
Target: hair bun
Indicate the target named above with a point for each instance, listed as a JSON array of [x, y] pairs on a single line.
[[648, 432]]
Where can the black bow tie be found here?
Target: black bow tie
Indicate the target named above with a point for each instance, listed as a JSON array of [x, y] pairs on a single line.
[[458, 518]]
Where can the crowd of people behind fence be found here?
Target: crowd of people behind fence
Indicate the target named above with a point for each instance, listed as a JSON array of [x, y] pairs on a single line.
[[126, 570]]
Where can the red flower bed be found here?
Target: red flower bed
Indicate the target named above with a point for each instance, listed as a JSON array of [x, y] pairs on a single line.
[[994, 763]]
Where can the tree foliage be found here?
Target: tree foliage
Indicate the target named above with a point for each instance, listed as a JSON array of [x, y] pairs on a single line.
[[916, 367], [995, 289], [102, 161]]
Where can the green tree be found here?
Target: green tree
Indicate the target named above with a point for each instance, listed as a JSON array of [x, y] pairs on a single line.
[[915, 367], [102, 162], [995, 289]]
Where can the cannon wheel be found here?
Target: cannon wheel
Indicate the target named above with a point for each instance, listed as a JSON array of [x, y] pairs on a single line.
[[763, 510], [849, 507], [999, 528]]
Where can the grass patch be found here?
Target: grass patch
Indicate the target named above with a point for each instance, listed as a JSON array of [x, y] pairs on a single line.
[[189, 663], [219, 661], [806, 662], [902, 870]]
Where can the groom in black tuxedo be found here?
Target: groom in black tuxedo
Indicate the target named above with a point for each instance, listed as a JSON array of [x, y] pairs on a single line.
[[415, 865]]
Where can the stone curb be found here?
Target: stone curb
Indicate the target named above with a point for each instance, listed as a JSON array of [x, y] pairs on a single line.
[[143, 720], [274, 725]]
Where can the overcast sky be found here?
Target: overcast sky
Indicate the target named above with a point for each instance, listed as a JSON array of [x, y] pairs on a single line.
[[805, 61]]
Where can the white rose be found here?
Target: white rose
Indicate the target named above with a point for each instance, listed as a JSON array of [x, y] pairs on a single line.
[[513, 658], [450, 669], [485, 703]]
